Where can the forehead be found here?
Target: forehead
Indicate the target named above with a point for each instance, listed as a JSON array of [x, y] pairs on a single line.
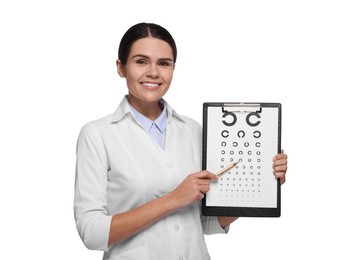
[[151, 47]]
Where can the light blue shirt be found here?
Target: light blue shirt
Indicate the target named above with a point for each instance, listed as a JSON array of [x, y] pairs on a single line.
[[157, 128]]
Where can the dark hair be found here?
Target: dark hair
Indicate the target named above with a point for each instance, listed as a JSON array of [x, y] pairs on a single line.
[[143, 30]]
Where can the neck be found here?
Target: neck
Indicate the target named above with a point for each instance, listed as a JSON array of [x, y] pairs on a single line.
[[151, 110]]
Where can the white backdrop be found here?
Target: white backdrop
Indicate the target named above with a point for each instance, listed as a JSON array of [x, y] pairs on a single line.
[[57, 61]]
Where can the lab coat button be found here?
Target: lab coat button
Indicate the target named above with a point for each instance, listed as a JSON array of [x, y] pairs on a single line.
[[169, 165]]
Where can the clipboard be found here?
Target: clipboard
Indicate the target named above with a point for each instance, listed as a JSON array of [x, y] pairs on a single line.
[[250, 133]]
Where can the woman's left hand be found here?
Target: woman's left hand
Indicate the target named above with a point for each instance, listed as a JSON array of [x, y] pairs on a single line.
[[280, 166]]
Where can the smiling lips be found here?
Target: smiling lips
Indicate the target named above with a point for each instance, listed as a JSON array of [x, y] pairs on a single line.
[[150, 85]]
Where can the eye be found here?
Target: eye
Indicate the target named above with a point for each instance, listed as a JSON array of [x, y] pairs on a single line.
[[141, 61], [164, 63]]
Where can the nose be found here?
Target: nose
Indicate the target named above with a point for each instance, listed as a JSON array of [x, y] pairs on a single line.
[[153, 71]]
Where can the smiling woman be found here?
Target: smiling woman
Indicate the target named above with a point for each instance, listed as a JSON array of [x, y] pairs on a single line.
[[148, 72], [138, 173]]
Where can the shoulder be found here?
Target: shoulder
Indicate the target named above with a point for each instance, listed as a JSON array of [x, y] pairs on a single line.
[[188, 126], [105, 123], [189, 121], [96, 127], [185, 120]]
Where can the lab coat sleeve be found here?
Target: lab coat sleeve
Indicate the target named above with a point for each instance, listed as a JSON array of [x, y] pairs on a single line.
[[211, 226], [90, 200]]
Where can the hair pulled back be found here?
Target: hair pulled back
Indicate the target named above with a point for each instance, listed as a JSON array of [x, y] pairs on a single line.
[[143, 30]]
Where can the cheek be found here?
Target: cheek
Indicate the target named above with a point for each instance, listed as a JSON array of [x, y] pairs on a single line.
[[133, 77], [168, 76], [131, 84]]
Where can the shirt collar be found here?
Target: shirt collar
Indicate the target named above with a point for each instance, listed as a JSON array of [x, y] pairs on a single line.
[[124, 110], [147, 123]]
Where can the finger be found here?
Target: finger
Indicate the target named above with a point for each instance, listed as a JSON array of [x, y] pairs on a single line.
[[200, 195], [206, 175], [280, 176], [280, 156], [203, 181], [280, 162], [282, 180], [213, 177], [204, 188], [280, 168]]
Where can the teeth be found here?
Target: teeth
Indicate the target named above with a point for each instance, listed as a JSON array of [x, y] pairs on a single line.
[[150, 85]]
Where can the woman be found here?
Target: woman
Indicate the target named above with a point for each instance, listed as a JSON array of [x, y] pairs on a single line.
[[138, 177]]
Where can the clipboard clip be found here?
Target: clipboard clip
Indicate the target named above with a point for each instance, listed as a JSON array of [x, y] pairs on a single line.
[[241, 107]]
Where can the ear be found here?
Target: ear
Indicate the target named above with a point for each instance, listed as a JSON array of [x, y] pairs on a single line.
[[120, 69]]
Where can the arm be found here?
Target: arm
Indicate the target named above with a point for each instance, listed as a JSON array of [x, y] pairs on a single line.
[[226, 221], [97, 228], [126, 224], [192, 189]]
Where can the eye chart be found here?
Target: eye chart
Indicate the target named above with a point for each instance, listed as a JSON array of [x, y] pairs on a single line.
[[250, 134]]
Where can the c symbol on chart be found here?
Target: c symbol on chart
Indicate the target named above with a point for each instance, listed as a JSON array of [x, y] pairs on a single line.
[[241, 134], [256, 123], [234, 119]]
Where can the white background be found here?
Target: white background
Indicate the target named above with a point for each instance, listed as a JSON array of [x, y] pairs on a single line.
[[57, 65]]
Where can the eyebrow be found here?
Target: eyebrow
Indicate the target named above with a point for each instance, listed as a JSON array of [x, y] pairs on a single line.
[[147, 57]]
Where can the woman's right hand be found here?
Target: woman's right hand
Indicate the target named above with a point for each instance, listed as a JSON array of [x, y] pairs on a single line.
[[192, 188]]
